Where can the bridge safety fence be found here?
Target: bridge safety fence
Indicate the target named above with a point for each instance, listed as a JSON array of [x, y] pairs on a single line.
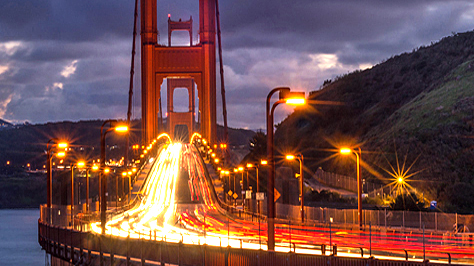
[[448, 223], [441, 223], [85, 248], [349, 183]]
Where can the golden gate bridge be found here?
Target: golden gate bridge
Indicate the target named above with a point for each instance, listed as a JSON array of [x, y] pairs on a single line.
[[176, 216]]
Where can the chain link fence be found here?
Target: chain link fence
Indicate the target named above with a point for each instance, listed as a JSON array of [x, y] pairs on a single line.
[[385, 219], [350, 183]]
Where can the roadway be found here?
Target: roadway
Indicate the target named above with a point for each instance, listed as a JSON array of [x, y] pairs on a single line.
[[177, 202]]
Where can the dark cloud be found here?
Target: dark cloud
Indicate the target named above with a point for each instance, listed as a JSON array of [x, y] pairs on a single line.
[[70, 60], [67, 20]]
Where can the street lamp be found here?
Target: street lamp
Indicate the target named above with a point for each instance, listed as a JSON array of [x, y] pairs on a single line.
[[242, 191], [256, 165], [226, 184], [285, 96], [128, 175], [82, 165], [252, 165], [299, 157], [103, 180], [49, 184], [347, 151]]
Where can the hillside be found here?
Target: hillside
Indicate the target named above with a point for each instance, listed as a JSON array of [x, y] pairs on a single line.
[[27, 144], [416, 106]]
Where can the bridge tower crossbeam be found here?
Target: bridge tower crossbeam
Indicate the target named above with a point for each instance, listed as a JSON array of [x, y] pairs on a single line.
[[196, 62]]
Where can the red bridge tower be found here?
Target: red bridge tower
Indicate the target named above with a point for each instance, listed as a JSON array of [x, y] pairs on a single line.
[[194, 62]]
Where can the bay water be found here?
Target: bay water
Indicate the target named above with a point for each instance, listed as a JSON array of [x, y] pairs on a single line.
[[19, 238]]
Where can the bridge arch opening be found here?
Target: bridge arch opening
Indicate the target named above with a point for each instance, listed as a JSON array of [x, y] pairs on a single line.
[[181, 100], [180, 39]]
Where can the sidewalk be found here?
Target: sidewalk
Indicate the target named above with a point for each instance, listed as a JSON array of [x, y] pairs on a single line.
[[141, 178], [316, 185], [214, 175]]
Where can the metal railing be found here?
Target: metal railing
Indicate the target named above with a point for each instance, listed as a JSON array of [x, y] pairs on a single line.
[[87, 248], [350, 184], [449, 223]]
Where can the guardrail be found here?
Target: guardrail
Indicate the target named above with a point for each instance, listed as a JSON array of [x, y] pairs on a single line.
[[78, 247]]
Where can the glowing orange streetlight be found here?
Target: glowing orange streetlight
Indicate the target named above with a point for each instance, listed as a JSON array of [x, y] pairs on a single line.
[[299, 157], [291, 98], [103, 183], [347, 151], [49, 182], [121, 128]]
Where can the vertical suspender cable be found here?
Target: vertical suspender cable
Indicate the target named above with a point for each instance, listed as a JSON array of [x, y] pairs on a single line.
[[224, 108], [130, 91]]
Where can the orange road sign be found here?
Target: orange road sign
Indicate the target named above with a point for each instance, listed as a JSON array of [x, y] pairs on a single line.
[[276, 195]]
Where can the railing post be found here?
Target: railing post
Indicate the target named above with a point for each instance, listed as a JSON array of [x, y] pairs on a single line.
[[420, 218], [161, 251], [226, 256], [370, 239], [81, 251], [403, 219], [128, 250], [424, 243], [101, 254], [142, 260]]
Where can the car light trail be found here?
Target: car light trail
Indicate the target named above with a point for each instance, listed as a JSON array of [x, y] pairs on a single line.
[[176, 203]]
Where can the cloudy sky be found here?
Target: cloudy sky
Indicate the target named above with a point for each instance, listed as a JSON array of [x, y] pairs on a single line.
[[70, 59]]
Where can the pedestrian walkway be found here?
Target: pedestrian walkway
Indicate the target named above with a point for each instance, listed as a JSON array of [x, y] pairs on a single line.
[[316, 185], [141, 178], [216, 181]]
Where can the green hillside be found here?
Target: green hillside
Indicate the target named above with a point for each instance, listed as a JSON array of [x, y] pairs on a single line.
[[417, 105]]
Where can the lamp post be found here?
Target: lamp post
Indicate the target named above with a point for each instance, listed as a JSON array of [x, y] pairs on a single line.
[[128, 174], [347, 151], [241, 169], [227, 184], [251, 165], [225, 154], [284, 97], [235, 193], [80, 165], [300, 159], [264, 163], [103, 180], [72, 195], [49, 184]]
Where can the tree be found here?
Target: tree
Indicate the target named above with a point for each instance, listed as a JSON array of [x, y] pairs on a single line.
[[257, 147], [407, 202]]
